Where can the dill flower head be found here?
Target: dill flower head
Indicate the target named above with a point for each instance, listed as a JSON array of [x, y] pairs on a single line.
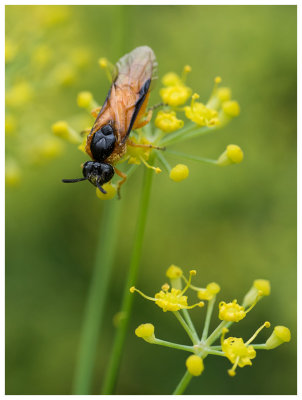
[[238, 351]]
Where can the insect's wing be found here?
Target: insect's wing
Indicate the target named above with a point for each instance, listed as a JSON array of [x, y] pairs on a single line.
[[136, 68]]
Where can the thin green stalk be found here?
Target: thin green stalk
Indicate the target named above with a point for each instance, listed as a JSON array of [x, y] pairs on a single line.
[[119, 341], [186, 327], [95, 306], [174, 136], [191, 157], [208, 318], [181, 387], [190, 323], [217, 332], [174, 345], [259, 346]]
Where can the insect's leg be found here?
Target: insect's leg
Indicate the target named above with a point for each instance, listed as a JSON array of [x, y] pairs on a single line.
[[144, 121], [123, 180], [95, 112], [157, 106], [146, 146]]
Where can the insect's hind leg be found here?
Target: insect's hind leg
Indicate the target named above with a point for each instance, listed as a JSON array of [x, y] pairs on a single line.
[[120, 183], [146, 146]]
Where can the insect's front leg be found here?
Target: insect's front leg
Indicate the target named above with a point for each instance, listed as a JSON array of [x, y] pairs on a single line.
[[123, 180]]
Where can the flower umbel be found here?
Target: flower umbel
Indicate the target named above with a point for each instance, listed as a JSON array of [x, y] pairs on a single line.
[[238, 352]]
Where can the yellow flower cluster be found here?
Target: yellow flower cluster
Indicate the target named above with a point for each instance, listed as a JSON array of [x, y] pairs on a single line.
[[235, 349], [176, 93]]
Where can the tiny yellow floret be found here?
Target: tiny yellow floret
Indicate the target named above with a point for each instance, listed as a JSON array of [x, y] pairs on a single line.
[[111, 190], [64, 131], [209, 292], [103, 62], [85, 99], [201, 114], [231, 108], [224, 94], [280, 335], [231, 311], [174, 272], [175, 95], [171, 79], [195, 365], [232, 155], [237, 352], [146, 332], [217, 79], [179, 173], [167, 121], [263, 285]]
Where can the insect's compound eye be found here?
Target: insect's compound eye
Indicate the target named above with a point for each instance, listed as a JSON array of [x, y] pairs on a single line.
[[102, 144], [107, 173], [88, 168]]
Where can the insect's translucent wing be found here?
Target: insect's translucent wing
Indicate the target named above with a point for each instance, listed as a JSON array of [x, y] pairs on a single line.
[[137, 67]]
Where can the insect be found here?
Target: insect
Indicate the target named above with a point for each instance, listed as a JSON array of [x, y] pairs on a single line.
[[124, 109]]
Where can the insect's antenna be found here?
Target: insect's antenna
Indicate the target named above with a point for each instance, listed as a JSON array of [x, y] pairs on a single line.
[[73, 180], [101, 189]]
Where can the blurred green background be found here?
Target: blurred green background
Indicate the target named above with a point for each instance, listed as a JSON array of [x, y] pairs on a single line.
[[233, 224]]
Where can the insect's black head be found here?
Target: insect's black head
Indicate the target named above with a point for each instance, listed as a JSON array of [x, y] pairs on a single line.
[[95, 172], [98, 173], [102, 143]]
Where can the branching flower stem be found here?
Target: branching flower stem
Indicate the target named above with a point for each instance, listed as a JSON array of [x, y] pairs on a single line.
[[97, 297], [114, 362]]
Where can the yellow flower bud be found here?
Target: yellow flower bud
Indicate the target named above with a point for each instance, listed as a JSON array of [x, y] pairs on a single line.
[[231, 108], [174, 272], [194, 365], [179, 173], [146, 332], [280, 335], [175, 95], [64, 131], [224, 94], [171, 79], [110, 189], [232, 155], [260, 288], [103, 62], [263, 285], [85, 99]]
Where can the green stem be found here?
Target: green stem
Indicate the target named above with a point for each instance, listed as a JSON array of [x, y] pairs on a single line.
[[181, 387], [174, 136], [186, 327], [189, 157], [174, 345], [95, 306], [190, 323], [208, 318], [114, 362], [259, 346], [216, 353], [217, 332]]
